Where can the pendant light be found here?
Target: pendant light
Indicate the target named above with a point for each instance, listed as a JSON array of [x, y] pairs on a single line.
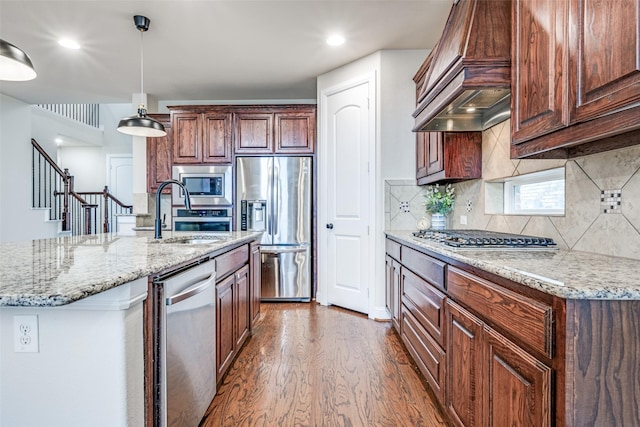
[[141, 125], [15, 65]]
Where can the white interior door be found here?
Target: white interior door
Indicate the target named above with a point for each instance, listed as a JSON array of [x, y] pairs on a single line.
[[120, 169], [347, 189]]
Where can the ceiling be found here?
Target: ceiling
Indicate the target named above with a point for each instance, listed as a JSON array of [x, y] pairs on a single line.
[[204, 50]]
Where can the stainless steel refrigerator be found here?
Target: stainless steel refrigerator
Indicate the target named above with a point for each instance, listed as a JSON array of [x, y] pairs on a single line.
[[273, 194]]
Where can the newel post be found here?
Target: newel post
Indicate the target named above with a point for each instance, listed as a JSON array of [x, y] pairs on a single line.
[[105, 194], [66, 218]]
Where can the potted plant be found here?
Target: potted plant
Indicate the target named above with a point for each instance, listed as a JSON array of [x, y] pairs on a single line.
[[439, 204]]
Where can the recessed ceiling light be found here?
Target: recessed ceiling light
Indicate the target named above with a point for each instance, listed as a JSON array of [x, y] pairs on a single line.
[[471, 109], [335, 40], [58, 140], [69, 44]]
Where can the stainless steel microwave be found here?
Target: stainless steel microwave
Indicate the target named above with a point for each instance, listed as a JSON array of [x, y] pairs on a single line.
[[207, 185]]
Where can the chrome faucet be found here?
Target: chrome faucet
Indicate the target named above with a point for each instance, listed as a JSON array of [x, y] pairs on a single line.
[[187, 203]]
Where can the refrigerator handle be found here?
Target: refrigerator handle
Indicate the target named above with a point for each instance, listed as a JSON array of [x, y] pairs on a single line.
[[276, 198]]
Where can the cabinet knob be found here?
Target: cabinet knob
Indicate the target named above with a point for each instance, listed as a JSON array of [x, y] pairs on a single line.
[[330, 226]]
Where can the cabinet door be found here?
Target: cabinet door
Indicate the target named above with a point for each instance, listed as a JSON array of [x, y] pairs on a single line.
[[605, 57], [422, 148], [295, 132], [388, 279], [517, 387], [397, 292], [435, 153], [225, 339], [256, 284], [242, 306], [464, 352], [159, 158], [253, 133], [393, 298], [187, 134], [539, 86], [217, 138]]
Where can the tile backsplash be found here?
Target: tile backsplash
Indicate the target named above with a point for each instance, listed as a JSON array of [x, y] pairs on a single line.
[[584, 227]]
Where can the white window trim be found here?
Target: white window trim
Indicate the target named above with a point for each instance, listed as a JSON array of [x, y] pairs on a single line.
[[532, 178]]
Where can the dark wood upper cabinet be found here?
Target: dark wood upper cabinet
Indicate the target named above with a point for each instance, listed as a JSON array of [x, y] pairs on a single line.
[[605, 57], [201, 137], [216, 136], [538, 101], [159, 156], [451, 157], [289, 130], [187, 133], [576, 77], [295, 132], [253, 133]]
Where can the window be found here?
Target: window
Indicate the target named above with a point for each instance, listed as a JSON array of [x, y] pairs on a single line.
[[539, 193]]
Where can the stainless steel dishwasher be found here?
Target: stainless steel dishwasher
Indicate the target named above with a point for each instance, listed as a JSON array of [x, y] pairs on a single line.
[[184, 345]]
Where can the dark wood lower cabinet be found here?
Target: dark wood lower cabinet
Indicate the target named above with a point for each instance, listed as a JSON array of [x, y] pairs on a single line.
[[256, 284], [426, 352], [465, 363], [225, 339], [393, 290], [517, 386], [241, 293], [232, 306]]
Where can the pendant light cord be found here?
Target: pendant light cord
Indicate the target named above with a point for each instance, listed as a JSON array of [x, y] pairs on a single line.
[[142, 68]]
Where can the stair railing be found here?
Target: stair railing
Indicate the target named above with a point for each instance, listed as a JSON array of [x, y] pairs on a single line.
[[108, 207], [80, 212]]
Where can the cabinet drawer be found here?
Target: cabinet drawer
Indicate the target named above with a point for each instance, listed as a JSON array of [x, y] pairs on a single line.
[[425, 303], [430, 269], [524, 318], [393, 249], [231, 261], [427, 354]]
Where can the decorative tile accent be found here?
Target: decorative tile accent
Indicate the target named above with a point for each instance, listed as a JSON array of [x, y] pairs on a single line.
[[610, 201], [584, 226]]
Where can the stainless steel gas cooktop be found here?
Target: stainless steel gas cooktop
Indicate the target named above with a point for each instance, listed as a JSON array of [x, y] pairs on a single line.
[[482, 239]]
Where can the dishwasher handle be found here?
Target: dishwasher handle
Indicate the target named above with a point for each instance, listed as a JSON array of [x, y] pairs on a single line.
[[192, 290]]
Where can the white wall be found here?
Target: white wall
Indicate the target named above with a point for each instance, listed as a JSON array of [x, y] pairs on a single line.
[[394, 141], [18, 221], [88, 164]]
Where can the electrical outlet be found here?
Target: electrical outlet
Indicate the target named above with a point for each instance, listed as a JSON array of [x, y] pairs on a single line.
[[404, 207], [25, 331]]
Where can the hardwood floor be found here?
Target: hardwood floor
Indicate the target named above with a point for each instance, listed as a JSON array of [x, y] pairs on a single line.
[[309, 365]]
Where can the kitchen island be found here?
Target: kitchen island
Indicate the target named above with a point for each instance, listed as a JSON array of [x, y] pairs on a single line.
[[519, 337], [79, 301]]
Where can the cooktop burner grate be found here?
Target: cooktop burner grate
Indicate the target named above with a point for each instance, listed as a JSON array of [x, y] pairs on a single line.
[[484, 239]]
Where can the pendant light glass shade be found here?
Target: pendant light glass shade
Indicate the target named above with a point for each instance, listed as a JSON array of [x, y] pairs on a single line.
[[141, 125], [15, 65]]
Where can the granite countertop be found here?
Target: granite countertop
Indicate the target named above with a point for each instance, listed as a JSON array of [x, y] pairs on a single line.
[[59, 271], [566, 274]]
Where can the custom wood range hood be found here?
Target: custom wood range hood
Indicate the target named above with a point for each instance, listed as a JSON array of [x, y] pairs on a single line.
[[467, 86]]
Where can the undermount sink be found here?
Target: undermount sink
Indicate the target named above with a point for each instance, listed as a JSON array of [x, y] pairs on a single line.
[[197, 241], [193, 240]]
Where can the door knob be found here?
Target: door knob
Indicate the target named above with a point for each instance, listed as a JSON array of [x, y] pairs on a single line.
[[330, 226]]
